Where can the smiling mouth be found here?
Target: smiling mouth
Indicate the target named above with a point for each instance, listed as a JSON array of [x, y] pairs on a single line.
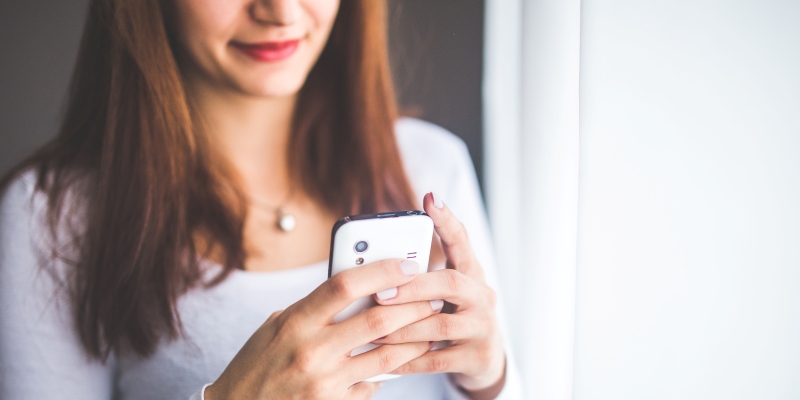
[[268, 51]]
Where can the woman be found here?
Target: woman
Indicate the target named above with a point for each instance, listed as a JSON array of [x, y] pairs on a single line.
[[147, 250]]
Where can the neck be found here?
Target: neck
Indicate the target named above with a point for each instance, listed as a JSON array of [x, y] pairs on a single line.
[[252, 135]]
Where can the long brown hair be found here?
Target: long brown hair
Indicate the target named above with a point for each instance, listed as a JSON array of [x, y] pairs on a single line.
[[128, 134]]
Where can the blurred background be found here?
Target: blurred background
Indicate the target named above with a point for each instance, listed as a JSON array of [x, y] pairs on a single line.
[[640, 163]]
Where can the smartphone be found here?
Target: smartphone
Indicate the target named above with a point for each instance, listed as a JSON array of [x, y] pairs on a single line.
[[363, 239]]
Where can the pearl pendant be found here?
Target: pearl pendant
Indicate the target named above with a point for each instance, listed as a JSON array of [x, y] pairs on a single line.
[[286, 222]]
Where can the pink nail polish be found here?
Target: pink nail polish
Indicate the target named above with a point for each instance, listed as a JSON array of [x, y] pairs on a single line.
[[437, 201], [409, 267], [377, 341], [387, 294]]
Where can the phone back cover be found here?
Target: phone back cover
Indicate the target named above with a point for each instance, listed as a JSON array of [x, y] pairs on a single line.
[[405, 237]]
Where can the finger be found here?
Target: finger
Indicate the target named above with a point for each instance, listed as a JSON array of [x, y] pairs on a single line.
[[378, 322], [384, 359], [347, 286], [363, 390], [446, 284], [455, 240], [436, 328], [451, 359], [484, 370]]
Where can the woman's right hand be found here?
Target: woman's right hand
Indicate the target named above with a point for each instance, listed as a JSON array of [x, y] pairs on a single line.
[[299, 353]]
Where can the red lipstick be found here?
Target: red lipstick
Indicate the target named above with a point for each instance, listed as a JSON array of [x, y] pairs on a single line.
[[268, 51]]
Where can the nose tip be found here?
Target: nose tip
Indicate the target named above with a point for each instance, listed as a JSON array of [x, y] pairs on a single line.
[[275, 12]]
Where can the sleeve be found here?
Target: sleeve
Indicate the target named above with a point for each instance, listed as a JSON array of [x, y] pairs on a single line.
[[462, 195], [200, 394], [41, 356]]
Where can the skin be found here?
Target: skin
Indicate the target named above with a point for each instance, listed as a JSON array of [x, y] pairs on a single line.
[[247, 106], [299, 353]]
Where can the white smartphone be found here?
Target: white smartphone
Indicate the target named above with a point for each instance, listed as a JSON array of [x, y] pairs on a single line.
[[363, 239]]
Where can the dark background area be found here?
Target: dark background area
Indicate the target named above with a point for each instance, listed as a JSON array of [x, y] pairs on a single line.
[[436, 49], [437, 56]]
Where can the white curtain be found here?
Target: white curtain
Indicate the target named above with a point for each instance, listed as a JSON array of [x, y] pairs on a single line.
[[643, 184], [531, 174]]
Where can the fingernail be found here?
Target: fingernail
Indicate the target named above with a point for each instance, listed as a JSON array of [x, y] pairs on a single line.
[[437, 305], [437, 201], [377, 341], [409, 267], [387, 294]]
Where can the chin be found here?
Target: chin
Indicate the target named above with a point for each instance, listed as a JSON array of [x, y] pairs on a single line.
[[274, 86]]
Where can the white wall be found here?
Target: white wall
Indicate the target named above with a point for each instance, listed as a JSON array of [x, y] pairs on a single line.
[[688, 278]]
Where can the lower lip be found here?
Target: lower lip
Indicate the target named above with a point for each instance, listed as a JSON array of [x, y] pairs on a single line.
[[269, 52]]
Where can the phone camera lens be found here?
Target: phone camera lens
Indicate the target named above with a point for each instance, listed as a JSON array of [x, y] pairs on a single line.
[[361, 246]]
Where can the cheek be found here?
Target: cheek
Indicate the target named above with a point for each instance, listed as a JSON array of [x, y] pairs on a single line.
[[204, 26], [322, 12]]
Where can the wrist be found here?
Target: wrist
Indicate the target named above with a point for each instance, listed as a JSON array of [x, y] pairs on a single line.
[[486, 393], [214, 391], [207, 393], [488, 370]]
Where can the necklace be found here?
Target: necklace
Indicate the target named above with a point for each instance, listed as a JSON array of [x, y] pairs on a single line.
[[284, 221]]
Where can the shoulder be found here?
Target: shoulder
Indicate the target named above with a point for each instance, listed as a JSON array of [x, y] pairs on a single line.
[[26, 223], [433, 156], [23, 233], [438, 161], [22, 240], [420, 139], [19, 201], [41, 355]]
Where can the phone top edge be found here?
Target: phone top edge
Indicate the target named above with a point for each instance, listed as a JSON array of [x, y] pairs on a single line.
[[351, 218], [391, 214]]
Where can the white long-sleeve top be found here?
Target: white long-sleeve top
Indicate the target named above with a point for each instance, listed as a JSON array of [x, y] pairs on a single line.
[[41, 356]]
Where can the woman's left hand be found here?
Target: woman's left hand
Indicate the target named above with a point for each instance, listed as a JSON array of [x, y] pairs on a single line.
[[475, 354]]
